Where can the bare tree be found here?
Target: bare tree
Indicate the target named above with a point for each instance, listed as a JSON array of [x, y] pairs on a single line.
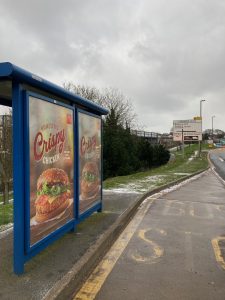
[[6, 154], [111, 98]]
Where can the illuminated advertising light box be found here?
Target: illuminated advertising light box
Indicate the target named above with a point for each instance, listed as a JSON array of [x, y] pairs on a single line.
[[90, 165], [51, 167]]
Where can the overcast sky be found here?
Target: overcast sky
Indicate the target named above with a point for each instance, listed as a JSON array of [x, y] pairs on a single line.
[[164, 55]]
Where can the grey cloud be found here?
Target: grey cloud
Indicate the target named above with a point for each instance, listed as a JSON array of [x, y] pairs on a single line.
[[164, 55]]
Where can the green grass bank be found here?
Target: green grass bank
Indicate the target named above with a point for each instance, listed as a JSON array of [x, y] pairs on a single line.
[[176, 168], [141, 182]]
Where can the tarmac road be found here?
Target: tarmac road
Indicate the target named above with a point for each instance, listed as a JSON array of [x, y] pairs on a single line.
[[218, 159], [172, 249]]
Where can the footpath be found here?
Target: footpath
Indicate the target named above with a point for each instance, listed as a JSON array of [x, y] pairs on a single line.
[[60, 269], [171, 250]]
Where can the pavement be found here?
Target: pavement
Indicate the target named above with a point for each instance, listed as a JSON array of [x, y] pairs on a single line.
[[172, 249], [52, 264], [60, 269]]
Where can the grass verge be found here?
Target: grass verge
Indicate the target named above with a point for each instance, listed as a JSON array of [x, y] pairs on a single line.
[[143, 181], [177, 168], [6, 214]]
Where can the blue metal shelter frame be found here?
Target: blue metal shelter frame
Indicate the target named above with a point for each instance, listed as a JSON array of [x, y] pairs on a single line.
[[23, 84]]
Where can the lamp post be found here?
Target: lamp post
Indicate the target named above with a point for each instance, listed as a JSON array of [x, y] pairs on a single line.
[[212, 125], [201, 125]]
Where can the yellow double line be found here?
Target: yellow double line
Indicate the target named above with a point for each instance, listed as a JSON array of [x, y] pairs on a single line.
[[95, 281], [217, 251]]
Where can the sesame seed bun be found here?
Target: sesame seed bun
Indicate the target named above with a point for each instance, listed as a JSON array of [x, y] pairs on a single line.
[[53, 175]]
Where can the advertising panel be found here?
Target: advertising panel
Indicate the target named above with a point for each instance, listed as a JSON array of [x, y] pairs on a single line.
[[51, 168], [191, 130], [89, 161]]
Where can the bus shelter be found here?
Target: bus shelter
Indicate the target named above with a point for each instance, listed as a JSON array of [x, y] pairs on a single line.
[[57, 159]]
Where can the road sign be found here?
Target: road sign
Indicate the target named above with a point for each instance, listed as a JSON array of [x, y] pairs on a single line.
[[187, 130], [197, 118]]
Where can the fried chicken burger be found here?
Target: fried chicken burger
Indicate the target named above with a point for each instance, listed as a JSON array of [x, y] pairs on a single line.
[[53, 194], [90, 180]]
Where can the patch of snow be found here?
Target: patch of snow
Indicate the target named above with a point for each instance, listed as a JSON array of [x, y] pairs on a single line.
[[196, 153], [139, 186], [120, 190], [10, 201], [181, 174], [154, 178], [5, 230], [148, 183]]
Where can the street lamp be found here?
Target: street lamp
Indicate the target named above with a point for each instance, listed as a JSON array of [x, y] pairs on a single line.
[[203, 100], [212, 125], [201, 107]]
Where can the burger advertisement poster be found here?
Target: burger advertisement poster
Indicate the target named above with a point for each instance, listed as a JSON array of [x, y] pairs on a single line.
[[51, 167], [89, 161]]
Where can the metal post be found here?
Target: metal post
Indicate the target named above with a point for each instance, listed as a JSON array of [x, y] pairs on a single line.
[[183, 142], [200, 142], [212, 126], [18, 178]]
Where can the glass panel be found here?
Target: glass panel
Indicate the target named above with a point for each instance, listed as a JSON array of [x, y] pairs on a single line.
[[90, 161], [51, 143]]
